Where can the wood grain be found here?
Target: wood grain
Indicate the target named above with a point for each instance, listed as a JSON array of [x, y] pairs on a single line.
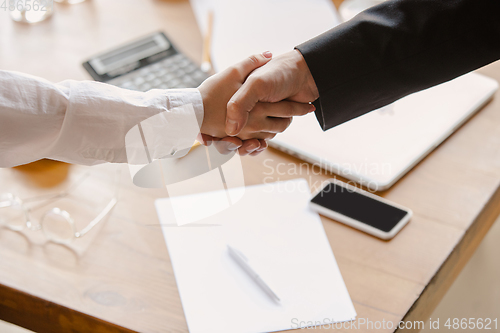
[[451, 268], [43, 314], [119, 277]]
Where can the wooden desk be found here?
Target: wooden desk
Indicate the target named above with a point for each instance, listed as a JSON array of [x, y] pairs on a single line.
[[123, 281]]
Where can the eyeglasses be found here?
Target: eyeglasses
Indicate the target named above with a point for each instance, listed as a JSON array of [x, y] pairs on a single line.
[[57, 224]]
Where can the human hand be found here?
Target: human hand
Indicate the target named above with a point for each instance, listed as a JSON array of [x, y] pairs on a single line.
[[229, 144], [285, 77], [265, 121]]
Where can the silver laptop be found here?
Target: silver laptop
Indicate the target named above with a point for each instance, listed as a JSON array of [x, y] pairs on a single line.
[[380, 147]]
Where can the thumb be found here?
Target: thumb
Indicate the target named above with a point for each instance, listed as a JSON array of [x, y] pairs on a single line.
[[237, 109]]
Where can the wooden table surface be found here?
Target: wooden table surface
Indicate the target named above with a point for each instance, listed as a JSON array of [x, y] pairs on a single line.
[[120, 279]]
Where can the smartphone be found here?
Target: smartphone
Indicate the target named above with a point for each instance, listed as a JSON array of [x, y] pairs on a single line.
[[360, 209]]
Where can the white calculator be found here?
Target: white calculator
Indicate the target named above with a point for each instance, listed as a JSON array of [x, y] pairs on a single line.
[[149, 63]]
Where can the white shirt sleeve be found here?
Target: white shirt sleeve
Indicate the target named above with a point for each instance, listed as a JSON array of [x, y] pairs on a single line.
[[85, 122]]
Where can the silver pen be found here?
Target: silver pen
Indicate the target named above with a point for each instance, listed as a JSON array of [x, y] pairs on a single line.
[[242, 261]]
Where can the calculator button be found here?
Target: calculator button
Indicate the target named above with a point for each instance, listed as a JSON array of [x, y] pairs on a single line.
[[168, 62], [139, 80], [170, 68], [150, 77], [199, 75], [177, 57], [173, 83], [184, 63], [167, 77], [173, 72], [155, 67], [128, 85], [116, 81], [190, 68], [179, 73], [189, 82], [144, 71], [161, 72], [145, 87], [156, 82]]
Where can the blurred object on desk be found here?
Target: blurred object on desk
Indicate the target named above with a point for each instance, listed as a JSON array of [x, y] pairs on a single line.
[[45, 173], [26, 12], [350, 8], [69, 2], [206, 64], [282, 25]]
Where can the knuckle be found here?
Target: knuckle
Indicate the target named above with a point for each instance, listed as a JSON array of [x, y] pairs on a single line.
[[263, 136], [251, 145], [257, 83], [289, 111], [233, 72], [254, 59], [233, 107], [251, 127], [278, 126], [232, 104], [298, 109], [283, 124], [259, 109], [269, 136], [304, 109], [242, 151]]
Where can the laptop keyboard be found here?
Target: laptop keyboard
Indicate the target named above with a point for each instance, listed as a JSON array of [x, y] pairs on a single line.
[[173, 72]]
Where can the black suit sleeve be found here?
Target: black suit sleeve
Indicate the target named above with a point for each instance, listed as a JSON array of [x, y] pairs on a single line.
[[397, 48]]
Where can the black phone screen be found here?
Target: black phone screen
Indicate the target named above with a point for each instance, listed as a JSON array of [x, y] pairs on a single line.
[[359, 207]]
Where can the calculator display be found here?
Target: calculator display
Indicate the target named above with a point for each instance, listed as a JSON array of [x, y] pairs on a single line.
[[130, 52], [127, 58]]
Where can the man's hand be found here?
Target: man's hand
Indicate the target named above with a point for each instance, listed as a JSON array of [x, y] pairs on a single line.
[[285, 77], [265, 121]]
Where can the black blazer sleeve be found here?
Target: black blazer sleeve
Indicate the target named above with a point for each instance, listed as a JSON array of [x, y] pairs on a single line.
[[397, 48]]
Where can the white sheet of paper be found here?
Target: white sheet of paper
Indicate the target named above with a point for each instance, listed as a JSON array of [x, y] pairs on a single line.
[[284, 242], [242, 28]]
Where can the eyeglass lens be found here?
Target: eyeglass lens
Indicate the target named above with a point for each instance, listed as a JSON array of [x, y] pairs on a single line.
[[12, 214], [56, 226]]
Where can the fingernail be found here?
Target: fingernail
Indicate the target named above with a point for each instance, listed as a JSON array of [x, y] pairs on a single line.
[[312, 108], [231, 127], [252, 147], [267, 54], [232, 146]]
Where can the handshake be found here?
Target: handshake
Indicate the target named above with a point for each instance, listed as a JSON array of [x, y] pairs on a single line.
[[250, 102]]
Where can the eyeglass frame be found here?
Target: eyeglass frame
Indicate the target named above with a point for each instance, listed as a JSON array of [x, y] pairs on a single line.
[[62, 213]]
